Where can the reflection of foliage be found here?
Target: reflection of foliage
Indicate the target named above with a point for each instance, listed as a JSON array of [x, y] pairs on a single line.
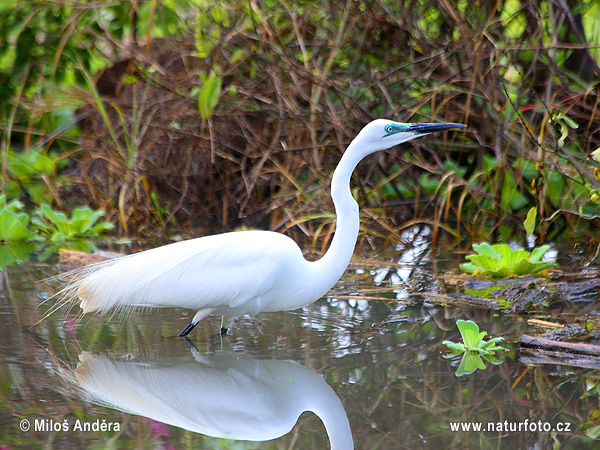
[[473, 348], [500, 261], [592, 427]]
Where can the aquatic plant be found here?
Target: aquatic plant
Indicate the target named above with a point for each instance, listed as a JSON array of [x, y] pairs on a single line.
[[81, 224], [473, 348], [14, 233], [13, 224], [29, 172], [501, 261], [473, 340]]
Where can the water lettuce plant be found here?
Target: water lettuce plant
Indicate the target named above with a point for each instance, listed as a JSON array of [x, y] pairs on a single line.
[[81, 224], [13, 224], [501, 261], [473, 348]]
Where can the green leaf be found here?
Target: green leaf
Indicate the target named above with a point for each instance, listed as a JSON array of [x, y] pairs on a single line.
[[469, 331], [537, 253], [209, 94], [486, 249], [14, 252], [469, 267], [529, 223], [13, 226], [503, 272], [454, 346], [61, 228], [488, 344], [492, 359]]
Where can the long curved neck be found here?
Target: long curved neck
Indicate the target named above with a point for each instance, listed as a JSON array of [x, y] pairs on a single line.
[[333, 264]]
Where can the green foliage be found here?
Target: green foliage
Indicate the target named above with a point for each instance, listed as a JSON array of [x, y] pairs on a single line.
[[529, 222], [14, 233], [208, 94], [13, 224], [473, 348], [46, 40], [296, 69], [27, 172], [81, 224], [500, 261], [18, 240], [11, 253], [473, 340]]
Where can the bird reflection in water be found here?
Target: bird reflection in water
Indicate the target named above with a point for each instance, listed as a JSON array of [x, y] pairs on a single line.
[[224, 395]]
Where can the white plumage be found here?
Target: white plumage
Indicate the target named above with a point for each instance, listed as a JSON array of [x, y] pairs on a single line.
[[242, 272]]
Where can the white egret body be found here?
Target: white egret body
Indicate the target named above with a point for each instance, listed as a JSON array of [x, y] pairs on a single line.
[[243, 272]]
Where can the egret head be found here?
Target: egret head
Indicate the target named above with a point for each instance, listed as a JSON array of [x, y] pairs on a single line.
[[382, 134]]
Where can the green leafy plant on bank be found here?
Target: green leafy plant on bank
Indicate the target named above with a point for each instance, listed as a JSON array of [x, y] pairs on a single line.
[[473, 348], [14, 225], [81, 224], [20, 234], [501, 261]]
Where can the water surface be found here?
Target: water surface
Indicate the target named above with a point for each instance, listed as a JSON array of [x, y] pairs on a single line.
[[365, 360]]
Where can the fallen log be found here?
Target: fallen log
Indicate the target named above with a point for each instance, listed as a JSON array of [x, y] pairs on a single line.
[[578, 348]]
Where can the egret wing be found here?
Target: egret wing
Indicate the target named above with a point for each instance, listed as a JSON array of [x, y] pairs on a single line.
[[215, 271]]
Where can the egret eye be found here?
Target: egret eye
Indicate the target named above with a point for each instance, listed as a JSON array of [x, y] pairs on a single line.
[[389, 129]]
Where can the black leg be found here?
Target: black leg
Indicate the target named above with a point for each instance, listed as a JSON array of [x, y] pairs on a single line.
[[187, 329], [224, 331]]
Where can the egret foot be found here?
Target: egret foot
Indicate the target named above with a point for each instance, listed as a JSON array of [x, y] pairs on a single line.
[[187, 329], [224, 331]]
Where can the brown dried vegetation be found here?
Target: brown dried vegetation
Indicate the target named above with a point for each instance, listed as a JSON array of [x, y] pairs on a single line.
[[300, 81]]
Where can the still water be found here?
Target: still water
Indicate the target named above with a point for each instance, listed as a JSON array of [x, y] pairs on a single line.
[[363, 366]]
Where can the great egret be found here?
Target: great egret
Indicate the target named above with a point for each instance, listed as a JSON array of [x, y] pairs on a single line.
[[242, 272]]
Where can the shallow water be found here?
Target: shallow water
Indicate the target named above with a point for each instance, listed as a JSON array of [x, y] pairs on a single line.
[[368, 356]]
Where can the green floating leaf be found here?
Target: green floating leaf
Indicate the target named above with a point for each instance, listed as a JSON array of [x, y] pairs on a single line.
[[454, 346], [474, 348], [537, 253], [486, 250], [469, 331]]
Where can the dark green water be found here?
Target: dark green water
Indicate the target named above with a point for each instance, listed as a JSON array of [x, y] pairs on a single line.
[[375, 365]]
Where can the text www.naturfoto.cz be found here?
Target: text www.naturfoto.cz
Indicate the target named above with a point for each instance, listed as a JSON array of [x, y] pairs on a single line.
[[506, 426]]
